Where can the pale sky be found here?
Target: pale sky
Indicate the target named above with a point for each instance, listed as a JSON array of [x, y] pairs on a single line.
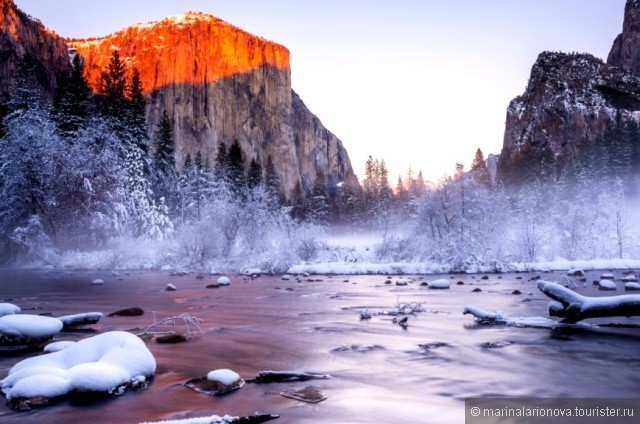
[[420, 83]]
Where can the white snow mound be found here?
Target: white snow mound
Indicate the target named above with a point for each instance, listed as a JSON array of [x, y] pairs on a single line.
[[100, 363], [29, 326], [224, 281], [607, 285], [442, 283], [224, 376], [8, 309]]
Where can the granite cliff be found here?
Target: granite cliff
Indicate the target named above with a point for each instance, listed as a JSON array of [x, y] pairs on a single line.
[[568, 100], [23, 38], [218, 83]]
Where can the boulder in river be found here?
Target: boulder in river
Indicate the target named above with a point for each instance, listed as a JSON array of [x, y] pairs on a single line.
[[127, 312], [217, 382]]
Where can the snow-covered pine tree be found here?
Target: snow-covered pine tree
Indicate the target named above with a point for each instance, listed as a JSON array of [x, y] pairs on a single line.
[[166, 176]]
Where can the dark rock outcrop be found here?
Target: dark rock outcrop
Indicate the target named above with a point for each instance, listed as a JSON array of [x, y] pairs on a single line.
[[568, 101], [23, 37], [625, 53]]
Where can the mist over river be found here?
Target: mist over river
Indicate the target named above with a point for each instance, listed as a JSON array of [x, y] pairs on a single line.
[[381, 371]]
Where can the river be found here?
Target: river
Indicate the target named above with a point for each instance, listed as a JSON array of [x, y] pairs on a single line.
[[380, 372]]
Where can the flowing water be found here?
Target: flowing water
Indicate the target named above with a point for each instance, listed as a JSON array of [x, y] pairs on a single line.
[[380, 371]]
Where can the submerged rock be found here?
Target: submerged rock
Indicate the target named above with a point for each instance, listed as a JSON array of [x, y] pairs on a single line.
[[127, 312], [497, 344], [286, 377], [171, 338], [308, 394]]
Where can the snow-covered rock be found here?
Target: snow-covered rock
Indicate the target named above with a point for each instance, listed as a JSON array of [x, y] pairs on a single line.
[[253, 271], [442, 283], [8, 309], [57, 346], [607, 277], [607, 285], [630, 279], [286, 277], [632, 286], [217, 382], [224, 281], [76, 320], [224, 376], [101, 363], [575, 272], [29, 326], [171, 287], [97, 282]]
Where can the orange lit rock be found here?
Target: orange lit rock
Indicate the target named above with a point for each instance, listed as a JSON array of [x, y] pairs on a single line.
[[190, 48], [218, 83]]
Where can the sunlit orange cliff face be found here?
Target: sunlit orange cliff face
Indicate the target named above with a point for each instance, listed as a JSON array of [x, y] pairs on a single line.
[[190, 48]]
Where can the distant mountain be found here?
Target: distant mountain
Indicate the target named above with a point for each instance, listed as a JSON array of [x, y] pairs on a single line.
[[216, 82], [568, 103]]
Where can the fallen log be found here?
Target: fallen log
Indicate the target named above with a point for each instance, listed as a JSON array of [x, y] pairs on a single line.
[[573, 307]]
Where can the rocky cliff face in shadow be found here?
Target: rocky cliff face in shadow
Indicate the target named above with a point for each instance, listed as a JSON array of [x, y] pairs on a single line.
[[569, 99], [218, 84], [23, 37]]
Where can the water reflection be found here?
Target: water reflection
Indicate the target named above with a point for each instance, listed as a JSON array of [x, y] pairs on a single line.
[[381, 372]]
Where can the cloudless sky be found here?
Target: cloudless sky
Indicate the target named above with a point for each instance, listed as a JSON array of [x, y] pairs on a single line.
[[420, 83]]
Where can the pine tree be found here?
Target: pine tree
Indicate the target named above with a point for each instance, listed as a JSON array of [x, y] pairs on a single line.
[[165, 147], [479, 170], [136, 118], [166, 178], [114, 90], [197, 162], [237, 179], [272, 181], [71, 104], [317, 207], [187, 164], [254, 178], [221, 167]]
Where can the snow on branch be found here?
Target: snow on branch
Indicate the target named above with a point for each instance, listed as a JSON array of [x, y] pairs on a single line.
[[573, 307]]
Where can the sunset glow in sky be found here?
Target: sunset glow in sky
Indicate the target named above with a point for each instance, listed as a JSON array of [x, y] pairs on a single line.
[[419, 83]]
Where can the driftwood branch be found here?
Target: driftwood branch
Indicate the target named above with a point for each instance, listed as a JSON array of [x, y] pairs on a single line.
[[572, 307]]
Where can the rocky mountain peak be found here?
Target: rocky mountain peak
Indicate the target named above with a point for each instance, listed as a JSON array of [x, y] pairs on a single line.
[[22, 37], [625, 52], [219, 84], [569, 100]]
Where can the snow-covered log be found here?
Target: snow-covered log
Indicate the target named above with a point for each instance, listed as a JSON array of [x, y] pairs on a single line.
[[573, 307]]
